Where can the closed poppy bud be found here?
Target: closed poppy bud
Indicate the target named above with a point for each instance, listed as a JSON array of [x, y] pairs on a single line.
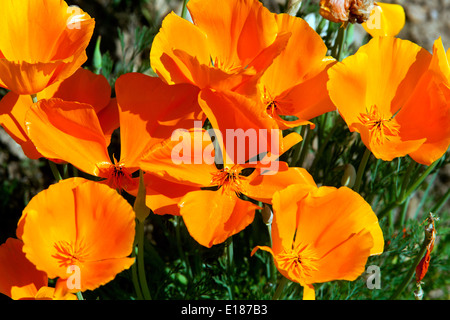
[[346, 10], [41, 42]]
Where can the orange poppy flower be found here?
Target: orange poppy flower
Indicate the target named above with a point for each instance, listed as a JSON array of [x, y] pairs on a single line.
[[148, 108], [229, 43], [79, 231], [214, 210], [244, 129], [20, 279], [293, 85], [83, 86], [386, 19], [41, 42], [396, 95], [322, 234]]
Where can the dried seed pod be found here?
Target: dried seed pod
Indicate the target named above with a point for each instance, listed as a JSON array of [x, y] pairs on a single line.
[[346, 10]]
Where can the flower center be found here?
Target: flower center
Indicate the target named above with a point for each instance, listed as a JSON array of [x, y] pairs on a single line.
[[300, 261], [380, 128], [229, 179], [69, 253], [117, 175], [227, 67]]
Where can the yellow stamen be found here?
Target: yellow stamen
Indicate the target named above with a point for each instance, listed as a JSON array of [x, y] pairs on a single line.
[[301, 261], [229, 179], [380, 128], [69, 253]]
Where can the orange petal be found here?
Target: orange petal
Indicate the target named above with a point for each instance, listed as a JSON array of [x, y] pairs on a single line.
[[285, 221], [427, 113], [69, 131], [83, 223], [53, 38], [178, 34], [237, 31], [357, 86], [386, 19], [163, 196], [13, 108], [83, 86], [242, 124], [20, 278], [287, 70], [263, 187], [211, 217], [152, 110], [187, 158]]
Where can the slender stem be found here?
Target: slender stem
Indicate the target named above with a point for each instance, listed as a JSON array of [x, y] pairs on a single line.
[[361, 169], [293, 7], [406, 178], [409, 191], [178, 220], [55, 170], [281, 285], [338, 46], [34, 98], [79, 295], [140, 258], [441, 202], [324, 145], [412, 269], [184, 9], [134, 275]]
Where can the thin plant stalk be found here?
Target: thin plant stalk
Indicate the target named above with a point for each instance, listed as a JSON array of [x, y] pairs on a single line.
[[361, 169], [140, 261]]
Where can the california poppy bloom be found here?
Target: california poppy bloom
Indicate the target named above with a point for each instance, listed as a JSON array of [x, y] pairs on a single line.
[[396, 95], [79, 231], [212, 205], [21, 280], [229, 43], [83, 86], [294, 84], [386, 19], [148, 109], [322, 234], [41, 42]]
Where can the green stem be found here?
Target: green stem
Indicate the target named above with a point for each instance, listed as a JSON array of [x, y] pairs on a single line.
[[230, 256], [361, 169], [79, 295], [441, 202], [55, 170], [140, 261], [339, 44], [178, 220], [281, 285], [134, 275], [184, 9], [34, 98], [324, 145], [409, 190], [412, 269]]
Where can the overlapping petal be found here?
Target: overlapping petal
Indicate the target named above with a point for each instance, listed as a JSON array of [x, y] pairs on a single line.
[[81, 223], [386, 85], [227, 45], [322, 234], [386, 19], [41, 42]]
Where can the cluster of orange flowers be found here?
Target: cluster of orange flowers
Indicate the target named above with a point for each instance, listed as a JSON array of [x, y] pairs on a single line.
[[236, 67]]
